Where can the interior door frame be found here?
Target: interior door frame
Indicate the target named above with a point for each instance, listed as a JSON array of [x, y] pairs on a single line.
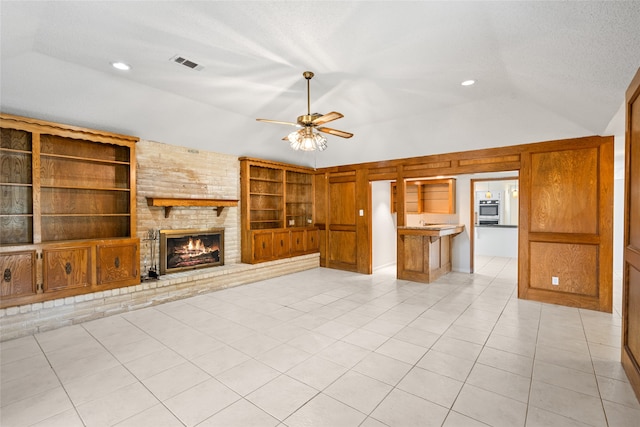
[[472, 217], [631, 254]]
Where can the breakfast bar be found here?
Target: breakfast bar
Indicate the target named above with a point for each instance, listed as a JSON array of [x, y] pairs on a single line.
[[424, 252]]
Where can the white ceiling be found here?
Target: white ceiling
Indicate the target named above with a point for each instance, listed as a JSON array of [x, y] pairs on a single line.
[[544, 70]]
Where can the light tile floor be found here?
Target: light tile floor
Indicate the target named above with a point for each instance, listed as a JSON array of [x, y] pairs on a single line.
[[329, 348]]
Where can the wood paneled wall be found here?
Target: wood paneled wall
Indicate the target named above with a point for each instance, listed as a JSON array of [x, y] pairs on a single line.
[[566, 211], [566, 223]]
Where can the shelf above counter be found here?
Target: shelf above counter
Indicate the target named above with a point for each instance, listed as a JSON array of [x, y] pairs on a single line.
[[168, 203]]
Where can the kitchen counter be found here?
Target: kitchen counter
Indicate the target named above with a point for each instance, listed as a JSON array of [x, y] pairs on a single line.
[[495, 226], [434, 230], [424, 252]]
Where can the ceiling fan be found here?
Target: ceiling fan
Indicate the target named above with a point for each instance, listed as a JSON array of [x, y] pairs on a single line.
[[306, 138]]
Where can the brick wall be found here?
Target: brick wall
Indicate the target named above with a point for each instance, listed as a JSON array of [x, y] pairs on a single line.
[[170, 171]]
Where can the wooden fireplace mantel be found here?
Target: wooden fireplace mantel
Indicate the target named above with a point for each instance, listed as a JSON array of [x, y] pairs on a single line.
[[167, 203]]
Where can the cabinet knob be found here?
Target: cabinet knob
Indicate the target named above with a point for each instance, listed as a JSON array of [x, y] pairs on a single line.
[[298, 241], [7, 274], [281, 243], [263, 245], [116, 262], [67, 268]]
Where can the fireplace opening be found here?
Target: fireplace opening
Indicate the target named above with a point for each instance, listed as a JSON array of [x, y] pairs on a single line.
[[190, 249]]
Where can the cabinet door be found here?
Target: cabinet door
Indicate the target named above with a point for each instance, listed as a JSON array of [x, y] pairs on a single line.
[[262, 246], [118, 263], [298, 240], [66, 268], [313, 240], [281, 244], [18, 274]]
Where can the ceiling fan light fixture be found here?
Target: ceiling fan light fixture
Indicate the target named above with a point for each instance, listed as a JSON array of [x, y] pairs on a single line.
[[307, 140]]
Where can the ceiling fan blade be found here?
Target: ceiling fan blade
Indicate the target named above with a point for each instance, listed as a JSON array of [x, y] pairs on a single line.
[[336, 132], [334, 115], [278, 122]]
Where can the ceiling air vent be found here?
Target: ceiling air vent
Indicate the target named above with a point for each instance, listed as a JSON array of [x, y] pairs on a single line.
[[187, 63]]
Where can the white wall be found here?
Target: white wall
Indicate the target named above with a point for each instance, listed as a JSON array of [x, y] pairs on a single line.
[[383, 225], [618, 224], [460, 249]]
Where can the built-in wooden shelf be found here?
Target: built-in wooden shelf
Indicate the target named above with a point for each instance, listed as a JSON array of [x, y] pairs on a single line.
[[168, 203]]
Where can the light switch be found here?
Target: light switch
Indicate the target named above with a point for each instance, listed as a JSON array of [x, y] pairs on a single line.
[[361, 212]]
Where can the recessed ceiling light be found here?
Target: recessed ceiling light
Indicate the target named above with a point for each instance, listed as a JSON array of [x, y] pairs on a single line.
[[468, 82], [121, 66]]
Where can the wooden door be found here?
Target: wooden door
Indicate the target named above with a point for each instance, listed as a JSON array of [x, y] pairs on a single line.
[[342, 245], [565, 252], [631, 267]]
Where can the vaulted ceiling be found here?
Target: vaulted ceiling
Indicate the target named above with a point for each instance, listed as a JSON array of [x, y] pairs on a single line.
[[544, 70]]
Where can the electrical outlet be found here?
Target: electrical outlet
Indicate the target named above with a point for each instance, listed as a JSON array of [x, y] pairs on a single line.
[[555, 281]]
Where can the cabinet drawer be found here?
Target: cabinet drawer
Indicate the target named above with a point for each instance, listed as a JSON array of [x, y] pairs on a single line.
[[118, 263], [66, 268], [298, 239], [18, 274]]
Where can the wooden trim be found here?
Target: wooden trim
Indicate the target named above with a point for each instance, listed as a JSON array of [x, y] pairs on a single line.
[[276, 165], [69, 131]]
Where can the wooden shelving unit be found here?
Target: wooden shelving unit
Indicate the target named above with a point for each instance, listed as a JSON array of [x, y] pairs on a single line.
[[68, 198], [277, 210], [427, 196]]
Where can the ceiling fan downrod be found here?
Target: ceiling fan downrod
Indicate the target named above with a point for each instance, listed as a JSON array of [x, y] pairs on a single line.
[[308, 75]]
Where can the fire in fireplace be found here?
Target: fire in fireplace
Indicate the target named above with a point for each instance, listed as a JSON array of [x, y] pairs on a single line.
[[189, 249]]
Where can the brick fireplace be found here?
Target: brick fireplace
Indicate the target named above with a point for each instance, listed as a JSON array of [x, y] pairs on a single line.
[[190, 249]]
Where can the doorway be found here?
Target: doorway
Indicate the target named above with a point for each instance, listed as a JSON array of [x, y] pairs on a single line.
[[384, 222], [493, 218]]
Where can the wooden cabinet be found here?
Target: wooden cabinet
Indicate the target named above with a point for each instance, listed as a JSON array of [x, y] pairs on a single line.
[[313, 240], [66, 267], [18, 271], [298, 241], [118, 262], [277, 210], [64, 192], [424, 254], [299, 199], [427, 196]]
